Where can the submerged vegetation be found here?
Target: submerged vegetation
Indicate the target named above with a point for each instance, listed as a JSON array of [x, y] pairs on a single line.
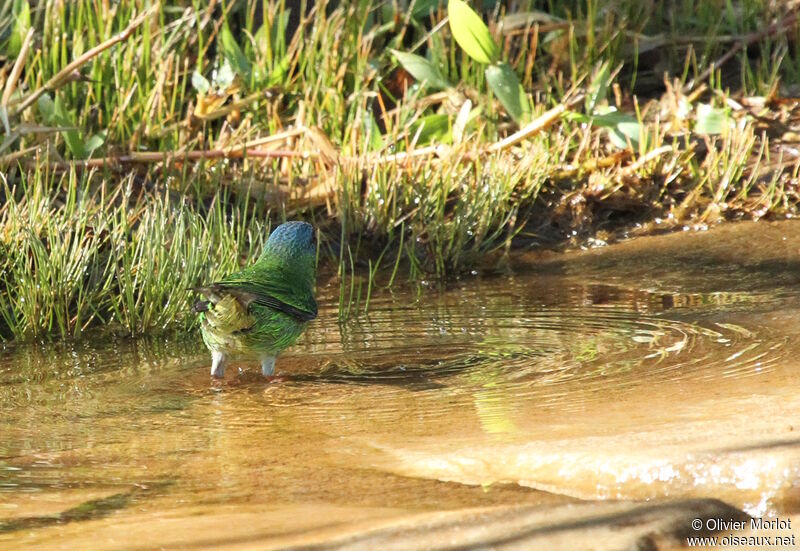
[[146, 146]]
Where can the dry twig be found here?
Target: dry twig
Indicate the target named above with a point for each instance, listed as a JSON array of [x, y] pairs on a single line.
[[534, 127]]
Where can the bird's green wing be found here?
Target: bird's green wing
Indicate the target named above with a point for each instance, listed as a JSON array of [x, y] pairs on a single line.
[[272, 288]]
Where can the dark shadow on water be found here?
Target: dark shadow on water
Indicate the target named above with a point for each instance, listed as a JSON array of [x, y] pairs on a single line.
[[415, 382], [771, 445], [422, 375], [648, 526], [88, 510], [682, 513]]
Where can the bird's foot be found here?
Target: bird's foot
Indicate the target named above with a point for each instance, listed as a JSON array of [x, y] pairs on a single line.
[[268, 366], [218, 363], [270, 379]]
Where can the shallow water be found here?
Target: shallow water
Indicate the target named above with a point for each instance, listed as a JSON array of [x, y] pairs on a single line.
[[665, 367]]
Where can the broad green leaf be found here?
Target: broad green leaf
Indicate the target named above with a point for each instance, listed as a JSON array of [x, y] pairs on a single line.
[[233, 53], [47, 109], [262, 43], [422, 8], [55, 113], [21, 15], [574, 116], [624, 131], [374, 138], [598, 87], [270, 38], [471, 33], [71, 136], [281, 70], [94, 142], [621, 127], [504, 83], [422, 70], [433, 127], [200, 83], [711, 120]]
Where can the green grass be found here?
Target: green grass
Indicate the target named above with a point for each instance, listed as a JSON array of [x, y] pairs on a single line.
[[78, 254], [159, 162]]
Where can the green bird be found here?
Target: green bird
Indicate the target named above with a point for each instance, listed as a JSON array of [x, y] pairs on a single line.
[[259, 311]]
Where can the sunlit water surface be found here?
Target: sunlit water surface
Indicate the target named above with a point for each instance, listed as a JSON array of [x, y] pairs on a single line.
[[661, 368]]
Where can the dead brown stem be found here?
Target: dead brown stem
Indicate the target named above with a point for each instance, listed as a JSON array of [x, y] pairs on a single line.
[[11, 83], [534, 127], [197, 155]]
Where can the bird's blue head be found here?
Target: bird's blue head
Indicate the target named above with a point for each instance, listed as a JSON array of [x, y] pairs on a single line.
[[292, 241]]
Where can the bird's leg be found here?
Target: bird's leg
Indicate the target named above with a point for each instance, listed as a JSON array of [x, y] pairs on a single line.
[[218, 362], [268, 366]]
